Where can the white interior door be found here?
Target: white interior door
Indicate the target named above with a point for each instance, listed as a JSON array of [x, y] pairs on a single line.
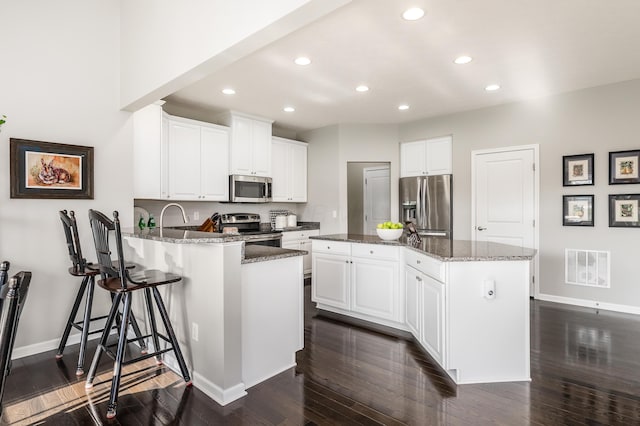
[[505, 197], [376, 198]]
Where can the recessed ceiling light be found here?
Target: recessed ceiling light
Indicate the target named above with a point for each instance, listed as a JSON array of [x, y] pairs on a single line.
[[403, 107], [461, 60], [228, 91], [413, 14], [492, 87], [302, 60], [288, 109], [362, 88]]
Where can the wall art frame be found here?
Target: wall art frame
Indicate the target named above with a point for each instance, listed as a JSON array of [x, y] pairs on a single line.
[[624, 210], [50, 170], [624, 167], [577, 170], [577, 210]]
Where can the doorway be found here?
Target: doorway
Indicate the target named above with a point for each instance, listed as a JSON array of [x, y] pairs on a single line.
[[504, 195], [368, 196]]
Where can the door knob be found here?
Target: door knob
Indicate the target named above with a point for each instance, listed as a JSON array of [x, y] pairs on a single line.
[[481, 228]]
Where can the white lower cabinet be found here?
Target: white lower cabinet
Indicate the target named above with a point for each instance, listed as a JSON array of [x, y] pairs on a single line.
[[374, 286], [433, 306], [360, 279], [299, 240], [424, 311], [413, 300], [330, 280], [471, 316]]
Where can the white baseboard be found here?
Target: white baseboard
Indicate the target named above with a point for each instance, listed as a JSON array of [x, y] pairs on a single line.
[[627, 309], [215, 392], [38, 348]]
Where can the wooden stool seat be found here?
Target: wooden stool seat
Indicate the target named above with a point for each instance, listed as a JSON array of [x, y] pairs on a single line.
[[139, 280]]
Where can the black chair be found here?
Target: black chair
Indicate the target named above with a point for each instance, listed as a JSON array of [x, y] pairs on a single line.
[[12, 296], [122, 284], [88, 271]]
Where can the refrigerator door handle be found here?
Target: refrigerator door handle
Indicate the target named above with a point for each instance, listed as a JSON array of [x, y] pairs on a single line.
[[419, 204]]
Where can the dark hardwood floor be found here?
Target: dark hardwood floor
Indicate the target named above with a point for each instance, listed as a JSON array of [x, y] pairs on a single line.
[[585, 369]]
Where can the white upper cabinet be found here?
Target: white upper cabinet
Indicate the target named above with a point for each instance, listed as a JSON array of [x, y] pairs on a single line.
[[250, 144], [197, 166], [426, 157], [289, 170], [150, 137]]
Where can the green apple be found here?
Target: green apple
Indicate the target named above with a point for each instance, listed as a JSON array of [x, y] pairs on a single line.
[[380, 226]]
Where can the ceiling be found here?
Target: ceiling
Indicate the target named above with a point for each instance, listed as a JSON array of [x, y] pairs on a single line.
[[530, 48]]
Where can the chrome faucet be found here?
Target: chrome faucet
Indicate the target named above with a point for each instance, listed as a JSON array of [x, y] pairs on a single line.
[[184, 216]]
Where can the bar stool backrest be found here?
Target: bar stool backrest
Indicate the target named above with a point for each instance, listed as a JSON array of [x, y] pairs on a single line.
[[70, 227], [101, 226]]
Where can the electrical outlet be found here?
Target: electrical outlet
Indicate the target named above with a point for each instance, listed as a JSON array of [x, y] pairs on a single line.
[[194, 331], [196, 215]]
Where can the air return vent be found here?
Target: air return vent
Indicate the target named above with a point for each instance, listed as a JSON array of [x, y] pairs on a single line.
[[587, 267]]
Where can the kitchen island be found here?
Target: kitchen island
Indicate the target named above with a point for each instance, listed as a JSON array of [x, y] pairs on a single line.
[[238, 312], [465, 303]]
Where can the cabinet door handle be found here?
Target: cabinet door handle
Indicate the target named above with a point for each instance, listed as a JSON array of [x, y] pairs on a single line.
[[481, 228], [418, 262], [419, 279], [371, 252]]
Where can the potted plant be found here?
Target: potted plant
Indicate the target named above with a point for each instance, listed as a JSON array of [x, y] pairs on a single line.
[[2, 120]]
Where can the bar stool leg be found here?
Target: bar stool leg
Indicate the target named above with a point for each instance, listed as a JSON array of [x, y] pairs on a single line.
[[72, 317], [85, 325], [103, 341], [136, 330], [117, 367], [172, 336], [152, 321]]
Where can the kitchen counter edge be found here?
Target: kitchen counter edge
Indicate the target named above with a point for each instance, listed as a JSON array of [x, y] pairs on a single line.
[[443, 249]]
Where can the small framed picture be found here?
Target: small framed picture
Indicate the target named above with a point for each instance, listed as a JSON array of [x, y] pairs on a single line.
[[577, 170], [623, 167], [623, 210], [577, 210]]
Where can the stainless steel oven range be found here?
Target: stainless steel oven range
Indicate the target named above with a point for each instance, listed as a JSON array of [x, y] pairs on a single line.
[[248, 225]]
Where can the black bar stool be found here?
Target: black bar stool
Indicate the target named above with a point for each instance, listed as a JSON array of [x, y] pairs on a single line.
[[88, 271], [122, 284], [13, 293]]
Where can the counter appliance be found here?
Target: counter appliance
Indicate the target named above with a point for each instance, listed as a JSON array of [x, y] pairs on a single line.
[[248, 224], [425, 201], [249, 189]]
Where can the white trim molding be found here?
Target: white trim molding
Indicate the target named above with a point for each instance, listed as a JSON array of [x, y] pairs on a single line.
[[627, 309]]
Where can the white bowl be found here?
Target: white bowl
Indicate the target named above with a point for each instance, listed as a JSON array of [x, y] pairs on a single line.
[[389, 234]]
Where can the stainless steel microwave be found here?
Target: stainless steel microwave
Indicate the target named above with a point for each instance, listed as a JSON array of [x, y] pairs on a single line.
[[249, 189]]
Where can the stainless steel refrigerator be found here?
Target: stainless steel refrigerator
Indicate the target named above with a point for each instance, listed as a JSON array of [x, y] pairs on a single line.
[[426, 201]]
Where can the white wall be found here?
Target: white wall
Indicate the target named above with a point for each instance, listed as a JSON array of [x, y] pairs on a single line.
[[168, 45], [597, 120], [330, 148], [60, 83], [323, 179]]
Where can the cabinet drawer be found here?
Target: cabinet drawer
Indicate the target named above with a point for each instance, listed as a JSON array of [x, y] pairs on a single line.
[[425, 264], [299, 235], [375, 251], [332, 247]]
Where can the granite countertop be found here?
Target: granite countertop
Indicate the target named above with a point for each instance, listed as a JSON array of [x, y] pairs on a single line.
[[182, 236], [257, 253], [443, 249], [303, 226]]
